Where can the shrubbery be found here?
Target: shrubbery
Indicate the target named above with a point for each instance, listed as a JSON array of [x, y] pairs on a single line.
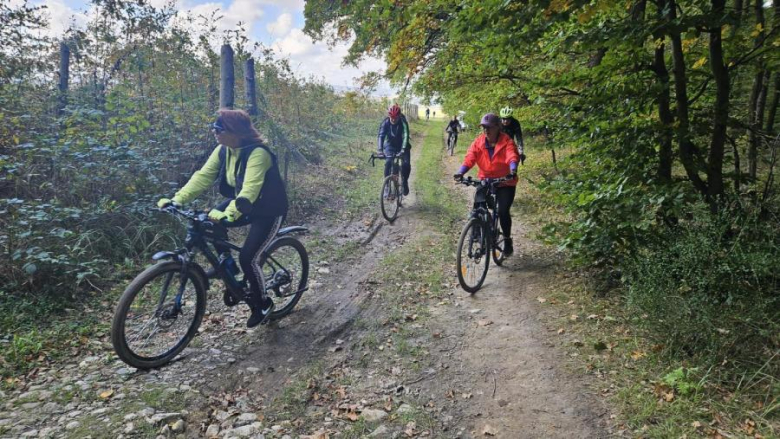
[[710, 286]]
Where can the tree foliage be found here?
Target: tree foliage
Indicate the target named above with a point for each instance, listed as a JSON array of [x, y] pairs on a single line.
[[664, 104]]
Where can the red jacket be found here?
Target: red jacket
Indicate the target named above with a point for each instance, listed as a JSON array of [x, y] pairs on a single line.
[[505, 152]]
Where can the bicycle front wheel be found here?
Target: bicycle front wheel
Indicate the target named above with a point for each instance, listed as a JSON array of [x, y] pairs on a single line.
[[158, 315], [497, 249], [473, 257], [390, 198], [286, 273]]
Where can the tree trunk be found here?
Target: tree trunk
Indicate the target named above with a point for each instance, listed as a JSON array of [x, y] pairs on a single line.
[[64, 77], [226, 77], [754, 122], [770, 119], [249, 83], [665, 154], [721, 110], [688, 155]]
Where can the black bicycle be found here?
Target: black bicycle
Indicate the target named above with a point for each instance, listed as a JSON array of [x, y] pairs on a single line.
[[160, 311], [481, 236], [392, 195], [452, 140]]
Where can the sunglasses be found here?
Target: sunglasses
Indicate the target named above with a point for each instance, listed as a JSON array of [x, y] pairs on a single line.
[[217, 127]]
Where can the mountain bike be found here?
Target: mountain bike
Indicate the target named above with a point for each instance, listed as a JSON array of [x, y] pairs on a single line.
[[160, 311], [392, 195], [481, 237], [452, 140]]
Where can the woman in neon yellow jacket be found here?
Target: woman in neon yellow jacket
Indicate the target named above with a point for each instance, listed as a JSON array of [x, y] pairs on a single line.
[[248, 176]]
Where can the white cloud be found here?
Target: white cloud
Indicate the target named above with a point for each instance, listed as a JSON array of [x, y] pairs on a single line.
[[317, 59], [61, 17], [281, 26], [244, 11]]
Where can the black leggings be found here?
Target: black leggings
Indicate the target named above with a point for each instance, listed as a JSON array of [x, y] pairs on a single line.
[[262, 231], [504, 197], [406, 165]]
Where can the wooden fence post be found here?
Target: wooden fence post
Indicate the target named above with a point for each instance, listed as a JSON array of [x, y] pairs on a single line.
[[64, 77], [249, 84], [227, 77]]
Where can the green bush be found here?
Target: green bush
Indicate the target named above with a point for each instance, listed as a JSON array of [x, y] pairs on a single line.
[[709, 287]]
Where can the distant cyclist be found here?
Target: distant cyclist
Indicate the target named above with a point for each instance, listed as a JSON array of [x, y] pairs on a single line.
[[453, 128], [495, 154], [427, 113], [511, 127], [393, 140]]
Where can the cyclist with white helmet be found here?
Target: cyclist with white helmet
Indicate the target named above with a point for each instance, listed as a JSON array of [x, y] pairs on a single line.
[[393, 140], [511, 127]]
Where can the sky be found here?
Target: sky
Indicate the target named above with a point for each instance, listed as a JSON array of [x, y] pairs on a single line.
[[275, 23]]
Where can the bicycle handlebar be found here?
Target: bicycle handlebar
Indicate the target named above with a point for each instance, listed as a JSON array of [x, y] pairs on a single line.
[[374, 156], [483, 182], [192, 215]]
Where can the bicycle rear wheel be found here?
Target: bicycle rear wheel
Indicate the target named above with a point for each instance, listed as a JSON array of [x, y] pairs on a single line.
[[390, 198], [451, 145], [152, 323], [286, 273], [472, 258]]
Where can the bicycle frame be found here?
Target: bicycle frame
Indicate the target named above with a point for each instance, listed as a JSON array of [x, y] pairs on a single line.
[[200, 233]]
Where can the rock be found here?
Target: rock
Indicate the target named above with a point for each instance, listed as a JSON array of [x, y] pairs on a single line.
[[373, 415], [222, 415], [130, 417], [146, 412], [164, 417], [212, 431], [72, 425], [30, 405], [124, 371], [47, 432], [246, 419], [404, 408], [323, 270], [253, 369], [51, 407], [129, 428], [245, 431], [381, 431], [31, 433], [99, 411], [178, 426]]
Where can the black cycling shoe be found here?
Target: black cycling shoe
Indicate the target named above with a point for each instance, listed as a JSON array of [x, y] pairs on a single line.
[[406, 188], [508, 249], [261, 310]]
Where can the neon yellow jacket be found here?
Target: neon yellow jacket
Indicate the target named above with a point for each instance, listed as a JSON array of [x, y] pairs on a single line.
[[256, 167]]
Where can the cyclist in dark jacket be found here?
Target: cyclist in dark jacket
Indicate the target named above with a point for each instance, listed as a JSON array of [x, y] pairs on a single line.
[[394, 139], [453, 128], [511, 127]]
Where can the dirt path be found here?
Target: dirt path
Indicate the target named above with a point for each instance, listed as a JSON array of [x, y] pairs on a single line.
[[502, 358], [353, 359]]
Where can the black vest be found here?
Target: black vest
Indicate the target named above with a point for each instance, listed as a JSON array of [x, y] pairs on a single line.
[[272, 200]]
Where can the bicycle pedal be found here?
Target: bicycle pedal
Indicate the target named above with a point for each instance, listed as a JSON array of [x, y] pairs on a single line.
[[228, 299]]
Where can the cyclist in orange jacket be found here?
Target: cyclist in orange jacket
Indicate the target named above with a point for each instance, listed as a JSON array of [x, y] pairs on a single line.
[[496, 156]]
